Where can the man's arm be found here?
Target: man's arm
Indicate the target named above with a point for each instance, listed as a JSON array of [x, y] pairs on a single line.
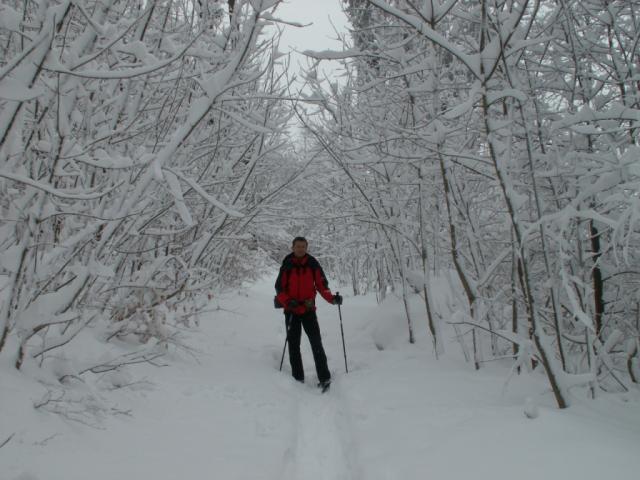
[[281, 281], [322, 284]]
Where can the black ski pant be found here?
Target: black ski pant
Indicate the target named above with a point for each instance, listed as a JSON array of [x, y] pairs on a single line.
[[294, 324]]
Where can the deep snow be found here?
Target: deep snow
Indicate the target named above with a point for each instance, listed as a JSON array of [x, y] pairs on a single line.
[[225, 412]]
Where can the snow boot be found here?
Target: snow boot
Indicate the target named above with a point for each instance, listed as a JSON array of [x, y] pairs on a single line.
[[324, 385]]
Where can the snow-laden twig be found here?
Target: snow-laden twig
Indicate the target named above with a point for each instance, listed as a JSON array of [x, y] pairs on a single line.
[[472, 62], [135, 71], [209, 198], [70, 195]]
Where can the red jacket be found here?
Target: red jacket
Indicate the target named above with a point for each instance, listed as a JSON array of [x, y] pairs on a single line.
[[299, 279]]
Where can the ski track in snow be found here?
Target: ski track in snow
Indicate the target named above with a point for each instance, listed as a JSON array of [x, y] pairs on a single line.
[[322, 446]]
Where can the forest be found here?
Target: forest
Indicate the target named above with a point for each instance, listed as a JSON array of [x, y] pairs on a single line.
[[156, 152]]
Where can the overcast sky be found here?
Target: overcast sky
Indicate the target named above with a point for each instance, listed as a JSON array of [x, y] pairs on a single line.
[[320, 13], [323, 15]]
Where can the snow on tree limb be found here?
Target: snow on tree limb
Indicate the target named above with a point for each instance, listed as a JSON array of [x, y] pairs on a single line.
[[213, 201], [175, 189], [262, 5], [472, 62], [56, 192], [334, 54], [616, 111], [135, 69]]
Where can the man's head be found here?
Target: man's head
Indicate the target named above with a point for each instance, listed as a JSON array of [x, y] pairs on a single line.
[[299, 246]]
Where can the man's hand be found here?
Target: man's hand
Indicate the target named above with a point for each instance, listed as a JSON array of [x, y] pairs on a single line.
[[337, 299]]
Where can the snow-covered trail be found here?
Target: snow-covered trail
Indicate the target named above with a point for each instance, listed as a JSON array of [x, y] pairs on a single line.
[[228, 413], [222, 410], [322, 445]]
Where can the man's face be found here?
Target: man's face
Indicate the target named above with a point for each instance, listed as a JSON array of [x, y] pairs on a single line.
[[299, 249]]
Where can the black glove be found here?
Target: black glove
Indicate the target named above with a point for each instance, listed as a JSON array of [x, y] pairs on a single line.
[[293, 303], [337, 299], [276, 303]]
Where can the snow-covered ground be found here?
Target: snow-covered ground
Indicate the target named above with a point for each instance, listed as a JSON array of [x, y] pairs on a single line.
[[226, 412]]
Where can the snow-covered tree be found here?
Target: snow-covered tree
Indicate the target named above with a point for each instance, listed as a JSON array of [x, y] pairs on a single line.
[[137, 146], [503, 133]]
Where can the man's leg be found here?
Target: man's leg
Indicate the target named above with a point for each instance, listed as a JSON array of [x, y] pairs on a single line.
[[312, 329], [294, 332]]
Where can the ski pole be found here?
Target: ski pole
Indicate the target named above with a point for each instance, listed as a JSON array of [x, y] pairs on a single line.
[[284, 349], [344, 348]]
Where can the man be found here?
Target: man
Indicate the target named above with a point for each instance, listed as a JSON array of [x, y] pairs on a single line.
[[300, 277]]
